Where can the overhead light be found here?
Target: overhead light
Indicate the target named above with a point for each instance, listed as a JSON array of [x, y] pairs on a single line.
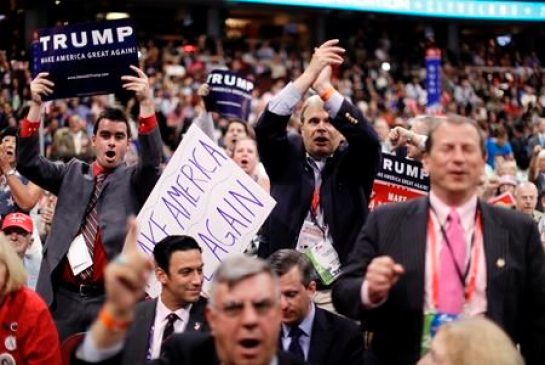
[[114, 15], [57, 2], [385, 66]]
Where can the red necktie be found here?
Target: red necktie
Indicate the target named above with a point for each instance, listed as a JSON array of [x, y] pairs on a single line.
[[89, 228]]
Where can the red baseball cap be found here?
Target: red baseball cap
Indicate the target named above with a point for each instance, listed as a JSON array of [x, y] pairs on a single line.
[[20, 220]]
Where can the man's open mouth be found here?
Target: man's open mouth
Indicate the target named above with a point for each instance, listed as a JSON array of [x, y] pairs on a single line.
[[249, 343], [110, 154]]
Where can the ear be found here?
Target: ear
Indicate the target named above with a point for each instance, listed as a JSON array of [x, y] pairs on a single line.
[[93, 140], [426, 162], [311, 288], [161, 275]]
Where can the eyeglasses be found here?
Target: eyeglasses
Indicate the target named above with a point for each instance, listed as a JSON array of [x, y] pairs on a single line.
[[235, 309]]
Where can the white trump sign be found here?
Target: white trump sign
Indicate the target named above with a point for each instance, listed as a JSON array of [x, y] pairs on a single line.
[[203, 194]]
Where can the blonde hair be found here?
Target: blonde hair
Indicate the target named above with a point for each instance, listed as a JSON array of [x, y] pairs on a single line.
[[16, 276], [478, 341]]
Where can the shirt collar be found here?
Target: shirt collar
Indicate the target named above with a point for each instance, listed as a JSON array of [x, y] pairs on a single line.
[[466, 210], [97, 169], [305, 325], [162, 311]]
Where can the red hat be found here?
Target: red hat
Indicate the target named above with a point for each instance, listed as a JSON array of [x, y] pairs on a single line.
[[20, 220]]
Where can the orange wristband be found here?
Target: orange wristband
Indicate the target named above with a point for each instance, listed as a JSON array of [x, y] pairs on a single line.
[[110, 323], [327, 94]]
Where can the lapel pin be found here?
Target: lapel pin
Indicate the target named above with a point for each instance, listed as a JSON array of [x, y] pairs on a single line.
[[500, 263], [197, 326]]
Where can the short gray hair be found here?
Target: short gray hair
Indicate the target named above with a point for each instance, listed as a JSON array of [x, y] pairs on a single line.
[[238, 268]]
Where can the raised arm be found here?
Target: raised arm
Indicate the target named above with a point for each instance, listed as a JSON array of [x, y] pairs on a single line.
[[30, 163], [149, 156]]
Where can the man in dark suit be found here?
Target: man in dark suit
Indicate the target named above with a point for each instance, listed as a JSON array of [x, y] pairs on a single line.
[[179, 308], [243, 313], [445, 256], [311, 333], [93, 203], [322, 179]]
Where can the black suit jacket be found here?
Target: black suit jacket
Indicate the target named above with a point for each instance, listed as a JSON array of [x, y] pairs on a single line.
[[193, 348], [334, 340], [137, 341], [515, 286], [347, 180]]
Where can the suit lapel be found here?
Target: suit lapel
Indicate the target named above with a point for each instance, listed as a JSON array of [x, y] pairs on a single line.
[[496, 242], [138, 347], [197, 321], [413, 238], [320, 338]]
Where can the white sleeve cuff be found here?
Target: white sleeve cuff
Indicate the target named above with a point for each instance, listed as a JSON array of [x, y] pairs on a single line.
[[285, 101], [333, 104], [89, 351], [364, 293]]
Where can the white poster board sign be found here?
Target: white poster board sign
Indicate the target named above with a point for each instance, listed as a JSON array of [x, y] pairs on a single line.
[[203, 194]]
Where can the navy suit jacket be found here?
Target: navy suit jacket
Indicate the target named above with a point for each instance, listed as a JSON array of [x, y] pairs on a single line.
[[334, 340], [515, 288], [124, 192], [347, 180]]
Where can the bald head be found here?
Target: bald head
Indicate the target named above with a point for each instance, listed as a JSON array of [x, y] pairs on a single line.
[[526, 197]]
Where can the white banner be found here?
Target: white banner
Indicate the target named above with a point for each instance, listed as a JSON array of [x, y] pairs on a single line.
[[203, 194]]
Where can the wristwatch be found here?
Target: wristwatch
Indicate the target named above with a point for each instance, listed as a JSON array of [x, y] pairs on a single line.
[[11, 172]]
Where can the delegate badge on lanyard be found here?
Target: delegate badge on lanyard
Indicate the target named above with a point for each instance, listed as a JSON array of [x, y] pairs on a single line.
[[432, 322], [320, 251], [434, 319]]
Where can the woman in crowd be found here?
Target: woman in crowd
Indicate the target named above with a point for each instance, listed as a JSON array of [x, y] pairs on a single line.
[[245, 155], [28, 334]]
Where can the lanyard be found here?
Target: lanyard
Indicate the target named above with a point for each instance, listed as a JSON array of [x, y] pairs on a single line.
[[314, 207], [469, 283]]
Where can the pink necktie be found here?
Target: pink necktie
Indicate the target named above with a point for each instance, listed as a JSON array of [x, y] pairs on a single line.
[[451, 289]]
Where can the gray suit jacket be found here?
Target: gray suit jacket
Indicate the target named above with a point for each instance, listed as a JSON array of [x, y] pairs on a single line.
[[515, 274], [137, 342], [125, 191]]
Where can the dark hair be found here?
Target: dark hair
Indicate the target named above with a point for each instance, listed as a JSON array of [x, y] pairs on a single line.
[[284, 260], [249, 131], [163, 250], [115, 115], [454, 119], [8, 131]]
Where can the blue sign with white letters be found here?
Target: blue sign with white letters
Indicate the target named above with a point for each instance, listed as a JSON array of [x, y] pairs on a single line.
[[433, 78], [85, 59], [229, 94]]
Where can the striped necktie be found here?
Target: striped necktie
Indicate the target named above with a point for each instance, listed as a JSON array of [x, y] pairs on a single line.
[[89, 228]]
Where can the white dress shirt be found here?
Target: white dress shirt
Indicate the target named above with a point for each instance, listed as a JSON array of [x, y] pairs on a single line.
[[161, 314], [306, 326]]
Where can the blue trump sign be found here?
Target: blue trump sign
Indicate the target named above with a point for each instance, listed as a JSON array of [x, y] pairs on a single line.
[[229, 94], [433, 78], [85, 59]]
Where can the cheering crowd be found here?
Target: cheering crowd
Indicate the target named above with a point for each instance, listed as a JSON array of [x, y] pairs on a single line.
[[334, 283]]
